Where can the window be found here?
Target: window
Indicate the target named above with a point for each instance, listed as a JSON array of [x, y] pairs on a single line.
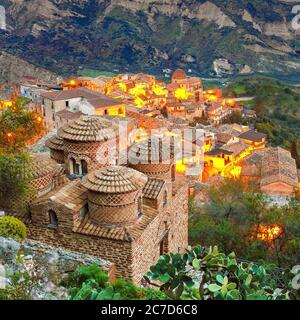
[[105, 112], [74, 167], [52, 105], [165, 201], [84, 167], [53, 220], [164, 244], [84, 211], [67, 104]]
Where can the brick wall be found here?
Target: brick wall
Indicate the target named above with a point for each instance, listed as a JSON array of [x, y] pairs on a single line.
[[174, 218]]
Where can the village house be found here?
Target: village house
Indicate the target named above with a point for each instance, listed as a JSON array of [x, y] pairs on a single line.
[[78, 100], [185, 110], [256, 140], [217, 112]]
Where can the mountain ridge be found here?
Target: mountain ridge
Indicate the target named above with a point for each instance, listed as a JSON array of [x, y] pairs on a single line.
[[254, 36]]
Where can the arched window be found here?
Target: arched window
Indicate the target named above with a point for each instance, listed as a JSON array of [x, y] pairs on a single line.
[[53, 221], [74, 167], [84, 167], [165, 201]]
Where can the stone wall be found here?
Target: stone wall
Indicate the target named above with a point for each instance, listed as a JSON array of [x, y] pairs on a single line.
[[172, 222], [117, 252]]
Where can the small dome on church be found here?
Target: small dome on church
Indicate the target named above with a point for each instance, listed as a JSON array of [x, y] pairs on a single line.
[[115, 180], [152, 150], [114, 195], [88, 129], [56, 142]]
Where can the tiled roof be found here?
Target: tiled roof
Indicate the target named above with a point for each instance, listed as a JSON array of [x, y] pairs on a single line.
[[42, 165], [128, 233], [56, 142], [278, 165], [237, 147], [94, 98], [115, 180], [104, 102], [218, 151], [153, 188], [88, 129], [73, 196], [252, 135], [69, 115], [223, 137]]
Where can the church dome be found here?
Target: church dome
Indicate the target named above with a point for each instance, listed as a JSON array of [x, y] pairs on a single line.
[[114, 195], [56, 142], [179, 74], [88, 129], [153, 157], [115, 180]]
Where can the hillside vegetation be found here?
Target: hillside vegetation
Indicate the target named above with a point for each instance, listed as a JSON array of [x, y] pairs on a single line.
[[277, 105]]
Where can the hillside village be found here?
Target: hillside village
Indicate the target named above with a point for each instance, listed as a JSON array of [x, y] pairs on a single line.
[[126, 202]]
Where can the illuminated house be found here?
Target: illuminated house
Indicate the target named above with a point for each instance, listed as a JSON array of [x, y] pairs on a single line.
[[256, 140], [240, 149], [78, 100], [186, 110], [218, 159], [217, 112]]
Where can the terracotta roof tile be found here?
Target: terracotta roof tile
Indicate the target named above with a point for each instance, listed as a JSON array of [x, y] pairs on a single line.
[[152, 188]]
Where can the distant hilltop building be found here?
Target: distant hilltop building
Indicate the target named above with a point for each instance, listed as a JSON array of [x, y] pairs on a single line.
[[129, 215]]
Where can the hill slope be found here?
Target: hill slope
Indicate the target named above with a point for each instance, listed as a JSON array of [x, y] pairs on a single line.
[[277, 106], [12, 69], [150, 35]]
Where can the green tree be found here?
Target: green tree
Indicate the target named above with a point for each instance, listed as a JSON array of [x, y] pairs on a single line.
[[18, 126]]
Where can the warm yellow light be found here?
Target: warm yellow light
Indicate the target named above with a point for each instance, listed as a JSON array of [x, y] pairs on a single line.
[[72, 82], [182, 94], [160, 91], [269, 232], [122, 86]]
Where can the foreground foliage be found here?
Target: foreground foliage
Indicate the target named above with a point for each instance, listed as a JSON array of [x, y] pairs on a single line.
[[11, 227], [208, 274], [91, 283], [231, 219]]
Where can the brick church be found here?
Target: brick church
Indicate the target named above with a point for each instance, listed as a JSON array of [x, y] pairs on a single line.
[[128, 215]]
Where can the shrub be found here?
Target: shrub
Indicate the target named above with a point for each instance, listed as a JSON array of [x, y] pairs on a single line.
[[84, 274], [11, 227]]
